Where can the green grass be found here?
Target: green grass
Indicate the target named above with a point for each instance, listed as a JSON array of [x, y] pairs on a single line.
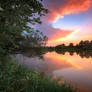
[[16, 78]]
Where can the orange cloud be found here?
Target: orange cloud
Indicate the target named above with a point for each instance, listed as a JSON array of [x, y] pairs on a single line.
[[76, 6], [54, 33], [67, 37], [69, 7], [58, 34]]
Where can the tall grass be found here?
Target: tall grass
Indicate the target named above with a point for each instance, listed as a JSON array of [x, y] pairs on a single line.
[[16, 78]]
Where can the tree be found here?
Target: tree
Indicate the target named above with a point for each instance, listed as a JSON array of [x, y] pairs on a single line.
[[15, 18], [81, 43], [71, 45], [21, 12], [34, 39]]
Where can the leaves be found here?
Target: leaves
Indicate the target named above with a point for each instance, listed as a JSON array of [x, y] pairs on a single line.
[[14, 19]]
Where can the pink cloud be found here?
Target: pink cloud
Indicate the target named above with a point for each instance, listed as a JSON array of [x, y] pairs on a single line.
[[66, 7], [58, 33]]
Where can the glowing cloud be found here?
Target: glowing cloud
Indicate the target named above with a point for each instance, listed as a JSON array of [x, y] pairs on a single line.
[[66, 7], [57, 35], [66, 39], [76, 6]]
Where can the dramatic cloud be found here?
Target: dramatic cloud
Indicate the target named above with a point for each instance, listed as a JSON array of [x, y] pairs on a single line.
[[76, 6], [59, 8], [54, 33], [59, 34]]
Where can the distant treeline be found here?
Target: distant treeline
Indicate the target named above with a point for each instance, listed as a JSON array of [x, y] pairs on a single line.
[[82, 45]]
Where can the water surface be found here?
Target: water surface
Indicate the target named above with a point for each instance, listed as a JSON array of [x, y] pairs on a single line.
[[73, 68]]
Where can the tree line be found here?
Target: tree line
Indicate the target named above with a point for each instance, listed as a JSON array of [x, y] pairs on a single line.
[[82, 45]]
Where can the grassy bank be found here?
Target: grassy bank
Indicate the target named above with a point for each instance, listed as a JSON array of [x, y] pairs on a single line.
[[16, 78]]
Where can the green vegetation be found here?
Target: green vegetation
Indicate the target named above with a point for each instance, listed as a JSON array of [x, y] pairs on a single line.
[[16, 20], [16, 78]]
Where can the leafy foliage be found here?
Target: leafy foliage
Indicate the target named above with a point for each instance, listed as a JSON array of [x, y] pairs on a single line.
[[15, 18], [20, 12], [34, 39]]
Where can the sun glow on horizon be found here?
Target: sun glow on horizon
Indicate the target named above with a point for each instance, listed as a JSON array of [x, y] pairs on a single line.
[[68, 38]]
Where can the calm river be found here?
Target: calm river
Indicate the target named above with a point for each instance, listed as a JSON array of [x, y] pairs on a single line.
[[72, 68]]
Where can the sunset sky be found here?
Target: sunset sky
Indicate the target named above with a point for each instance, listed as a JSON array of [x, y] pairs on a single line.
[[67, 21]]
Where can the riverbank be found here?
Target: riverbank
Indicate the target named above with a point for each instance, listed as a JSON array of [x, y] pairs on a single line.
[[17, 78]]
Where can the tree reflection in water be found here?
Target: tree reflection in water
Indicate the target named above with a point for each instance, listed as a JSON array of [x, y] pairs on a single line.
[[39, 52]]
